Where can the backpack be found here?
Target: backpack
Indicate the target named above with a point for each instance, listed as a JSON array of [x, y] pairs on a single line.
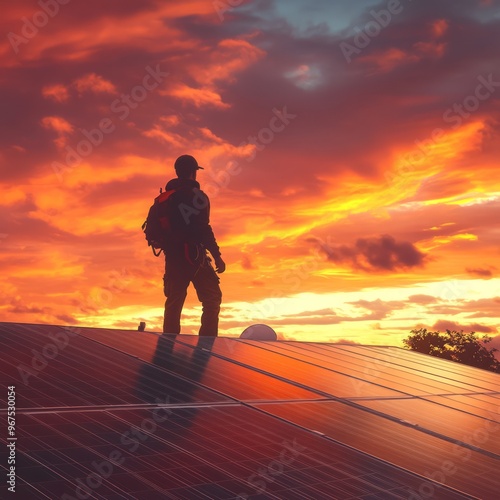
[[158, 223]]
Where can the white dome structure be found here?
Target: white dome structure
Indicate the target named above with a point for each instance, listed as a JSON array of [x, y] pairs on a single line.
[[259, 332]]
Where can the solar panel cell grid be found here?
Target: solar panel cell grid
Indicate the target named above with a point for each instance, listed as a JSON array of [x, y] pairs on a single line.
[[486, 406], [189, 468], [413, 449], [73, 379], [391, 371], [461, 426], [185, 361], [306, 374], [242, 418], [428, 364]]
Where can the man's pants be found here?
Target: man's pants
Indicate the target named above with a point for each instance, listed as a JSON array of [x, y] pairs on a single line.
[[178, 275]]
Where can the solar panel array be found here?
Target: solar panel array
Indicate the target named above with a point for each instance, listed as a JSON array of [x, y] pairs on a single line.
[[124, 414]]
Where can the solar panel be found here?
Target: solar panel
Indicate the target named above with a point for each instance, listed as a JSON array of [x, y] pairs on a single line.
[[123, 414], [419, 449], [485, 406], [446, 369], [209, 452], [80, 372], [388, 374], [437, 417], [191, 357], [329, 382]]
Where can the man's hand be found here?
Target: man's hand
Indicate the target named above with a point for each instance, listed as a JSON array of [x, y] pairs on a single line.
[[220, 265]]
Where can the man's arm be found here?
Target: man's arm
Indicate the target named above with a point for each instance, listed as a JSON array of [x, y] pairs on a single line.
[[206, 234]]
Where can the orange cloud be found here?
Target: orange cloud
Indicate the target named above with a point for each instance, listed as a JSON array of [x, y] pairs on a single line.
[[390, 59], [443, 325], [430, 49], [199, 97], [393, 57], [57, 123], [66, 36], [439, 27], [230, 57], [57, 92], [169, 137], [61, 126], [221, 64], [94, 83], [435, 154]]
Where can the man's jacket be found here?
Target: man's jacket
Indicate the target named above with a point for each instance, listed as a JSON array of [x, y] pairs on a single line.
[[190, 222]]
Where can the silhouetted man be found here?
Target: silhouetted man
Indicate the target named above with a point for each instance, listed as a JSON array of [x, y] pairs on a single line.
[[186, 259]]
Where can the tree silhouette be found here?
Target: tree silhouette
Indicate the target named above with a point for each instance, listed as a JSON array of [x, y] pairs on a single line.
[[457, 346]]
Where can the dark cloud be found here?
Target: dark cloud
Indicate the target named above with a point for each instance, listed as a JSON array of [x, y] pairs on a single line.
[[377, 254], [257, 283], [19, 307], [481, 272], [344, 341], [246, 262], [66, 319], [319, 312], [316, 317], [423, 224], [379, 309], [347, 110], [442, 325], [422, 299], [481, 308]]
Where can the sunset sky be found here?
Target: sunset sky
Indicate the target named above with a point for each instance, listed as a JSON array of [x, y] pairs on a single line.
[[350, 151]]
